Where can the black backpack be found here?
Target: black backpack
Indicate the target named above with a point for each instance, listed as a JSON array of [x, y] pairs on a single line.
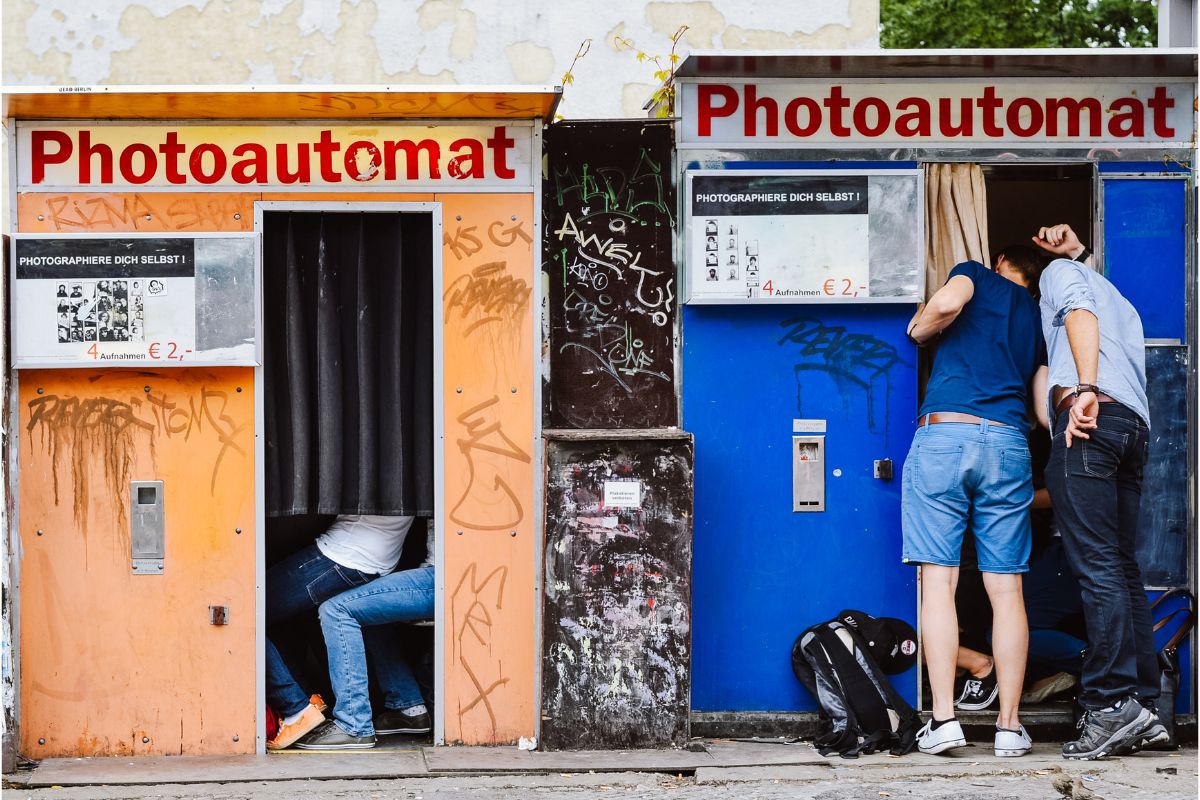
[[860, 710]]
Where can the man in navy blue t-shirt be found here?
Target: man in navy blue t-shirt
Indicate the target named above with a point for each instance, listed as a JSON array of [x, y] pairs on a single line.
[[969, 464]]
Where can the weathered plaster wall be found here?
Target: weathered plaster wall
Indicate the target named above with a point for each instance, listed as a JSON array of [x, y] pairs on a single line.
[[82, 42]]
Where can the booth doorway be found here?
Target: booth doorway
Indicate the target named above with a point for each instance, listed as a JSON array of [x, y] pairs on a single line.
[[1019, 199], [1023, 197], [349, 410]]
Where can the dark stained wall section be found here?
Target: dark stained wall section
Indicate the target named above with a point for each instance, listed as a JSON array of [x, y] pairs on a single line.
[[608, 229], [616, 616]]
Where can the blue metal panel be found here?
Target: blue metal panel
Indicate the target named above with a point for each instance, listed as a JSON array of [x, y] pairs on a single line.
[[763, 573], [1183, 701], [1145, 250], [1147, 167]]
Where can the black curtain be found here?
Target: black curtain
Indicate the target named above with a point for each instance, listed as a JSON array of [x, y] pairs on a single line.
[[348, 320]]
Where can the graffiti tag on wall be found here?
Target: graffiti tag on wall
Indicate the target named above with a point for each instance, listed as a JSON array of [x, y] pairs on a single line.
[[78, 432], [609, 222]]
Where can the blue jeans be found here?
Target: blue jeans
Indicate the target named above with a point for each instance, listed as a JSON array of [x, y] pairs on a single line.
[[1096, 488], [1051, 652], [399, 597], [958, 473], [297, 584]]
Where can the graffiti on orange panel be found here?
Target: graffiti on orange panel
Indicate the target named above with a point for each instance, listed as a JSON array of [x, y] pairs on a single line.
[[488, 503], [145, 212], [423, 104], [475, 602], [487, 293], [76, 431]]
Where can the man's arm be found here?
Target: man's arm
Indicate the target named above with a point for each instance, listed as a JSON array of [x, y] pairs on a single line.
[[1040, 390], [1062, 241], [942, 309], [1083, 332]]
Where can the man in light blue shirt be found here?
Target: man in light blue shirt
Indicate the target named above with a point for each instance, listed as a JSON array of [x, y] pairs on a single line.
[[1100, 427]]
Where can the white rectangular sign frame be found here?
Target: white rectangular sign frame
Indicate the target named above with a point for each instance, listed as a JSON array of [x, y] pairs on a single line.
[[32, 349], [799, 114], [692, 270]]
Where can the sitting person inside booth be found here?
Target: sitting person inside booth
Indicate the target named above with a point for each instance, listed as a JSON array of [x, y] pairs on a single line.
[[350, 572]]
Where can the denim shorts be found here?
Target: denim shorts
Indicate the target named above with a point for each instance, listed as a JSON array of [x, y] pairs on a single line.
[[959, 474]]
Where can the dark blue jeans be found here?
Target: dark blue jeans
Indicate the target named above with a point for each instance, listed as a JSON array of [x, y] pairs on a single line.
[[297, 584], [1096, 489]]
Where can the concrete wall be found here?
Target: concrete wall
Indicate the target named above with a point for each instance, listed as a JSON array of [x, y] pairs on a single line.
[[78, 42]]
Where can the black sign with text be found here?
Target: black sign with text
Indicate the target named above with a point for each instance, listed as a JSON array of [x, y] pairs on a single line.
[[69, 257], [777, 195]]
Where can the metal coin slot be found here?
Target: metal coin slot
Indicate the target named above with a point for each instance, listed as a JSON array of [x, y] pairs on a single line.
[[146, 533], [808, 473]]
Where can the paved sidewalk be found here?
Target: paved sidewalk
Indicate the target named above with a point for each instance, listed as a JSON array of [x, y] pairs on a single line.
[[714, 768]]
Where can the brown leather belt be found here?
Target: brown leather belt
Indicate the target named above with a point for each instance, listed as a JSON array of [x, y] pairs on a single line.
[[1068, 400], [954, 416]]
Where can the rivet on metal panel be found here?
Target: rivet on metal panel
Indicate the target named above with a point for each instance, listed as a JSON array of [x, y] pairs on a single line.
[[513, 217], [237, 738], [237, 530], [41, 390], [41, 741], [236, 216], [145, 740], [514, 533], [460, 533], [239, 390], [41, 218], [39, 533], [458, 390], [458, 218], [149, 216], [513, 390], [146, 389]]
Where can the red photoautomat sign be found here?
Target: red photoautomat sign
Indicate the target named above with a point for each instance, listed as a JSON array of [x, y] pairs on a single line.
[[52, 156], [1004, 112]]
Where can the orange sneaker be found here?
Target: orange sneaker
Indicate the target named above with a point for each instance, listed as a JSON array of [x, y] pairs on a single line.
[[288, 735], [319, 702]]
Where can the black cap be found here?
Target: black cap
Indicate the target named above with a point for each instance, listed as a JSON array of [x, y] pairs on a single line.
[[892, 642]]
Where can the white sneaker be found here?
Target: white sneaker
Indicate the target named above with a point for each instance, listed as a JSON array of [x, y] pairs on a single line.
[[1012, 743], [947, 737]]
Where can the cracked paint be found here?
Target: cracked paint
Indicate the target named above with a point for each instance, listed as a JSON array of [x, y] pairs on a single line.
[[65, 42]]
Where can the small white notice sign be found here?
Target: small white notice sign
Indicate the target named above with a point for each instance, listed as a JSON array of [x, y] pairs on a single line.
[[808, 426], [623, 494]]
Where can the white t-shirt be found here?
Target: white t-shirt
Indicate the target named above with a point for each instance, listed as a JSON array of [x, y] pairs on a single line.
[[365, 542]]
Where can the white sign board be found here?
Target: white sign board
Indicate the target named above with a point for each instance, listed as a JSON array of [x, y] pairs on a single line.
[[360, 157], [802, 237], [1005, 112], [126, 300], [623, 494]]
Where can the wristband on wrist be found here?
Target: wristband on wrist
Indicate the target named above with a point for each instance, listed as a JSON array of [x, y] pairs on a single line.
[[1083, 388], [1084, 255]]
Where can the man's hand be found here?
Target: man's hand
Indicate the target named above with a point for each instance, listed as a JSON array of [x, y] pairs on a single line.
[[1082, 416], [1060, 240]]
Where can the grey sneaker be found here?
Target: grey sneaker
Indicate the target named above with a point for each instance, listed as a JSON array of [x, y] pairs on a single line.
[[1153, 737], [393, 720], [330, 736], [1104, 732]]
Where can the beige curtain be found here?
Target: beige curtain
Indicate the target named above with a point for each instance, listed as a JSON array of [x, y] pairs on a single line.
[[955, 220]]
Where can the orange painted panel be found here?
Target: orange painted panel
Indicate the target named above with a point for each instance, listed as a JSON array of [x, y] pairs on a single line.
[[489, 527], [118, 664], [365, 103], [145, 212]]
